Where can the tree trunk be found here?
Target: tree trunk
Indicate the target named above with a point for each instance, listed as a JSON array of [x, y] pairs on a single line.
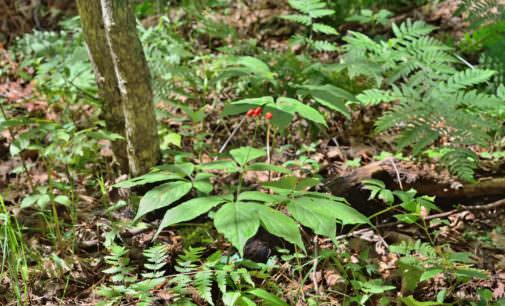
[[98, 49], [123, 80]]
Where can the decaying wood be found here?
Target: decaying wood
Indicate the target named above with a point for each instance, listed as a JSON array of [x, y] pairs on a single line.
[[391, 170], [342, 184]]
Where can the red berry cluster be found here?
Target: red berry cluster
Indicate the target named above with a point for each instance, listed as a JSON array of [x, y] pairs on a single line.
[[256, 112]]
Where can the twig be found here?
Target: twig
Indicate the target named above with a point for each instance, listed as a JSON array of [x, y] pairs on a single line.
[[461, 208], [464, 61], [397, 173], [235, 130]]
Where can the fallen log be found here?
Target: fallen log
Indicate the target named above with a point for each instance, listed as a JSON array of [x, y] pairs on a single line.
[[399, 176]]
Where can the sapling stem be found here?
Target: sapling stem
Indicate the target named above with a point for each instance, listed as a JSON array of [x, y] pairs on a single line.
[[269, 160]]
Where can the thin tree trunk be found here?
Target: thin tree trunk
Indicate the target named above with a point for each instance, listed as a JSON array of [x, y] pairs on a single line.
[[98, 50], [120, 60]]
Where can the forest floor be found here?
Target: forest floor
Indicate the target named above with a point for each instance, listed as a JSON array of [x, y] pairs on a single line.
[[69, 271]]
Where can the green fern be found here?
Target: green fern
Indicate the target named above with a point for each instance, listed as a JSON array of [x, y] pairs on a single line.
[[198, 275], [121, 275], [461, 162], [310, 11], [203, 285], [482, 12], [487, 25], [431, 99]]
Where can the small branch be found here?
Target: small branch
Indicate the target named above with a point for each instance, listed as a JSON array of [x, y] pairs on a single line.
[[235, 130], [397, 173], [489, 206]]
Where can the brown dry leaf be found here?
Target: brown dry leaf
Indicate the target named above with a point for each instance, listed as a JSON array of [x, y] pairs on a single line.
[[256, 176], [332, 277], [499, 291], [334, 152]]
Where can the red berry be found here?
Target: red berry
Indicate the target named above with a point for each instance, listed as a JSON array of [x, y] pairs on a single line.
[[250, 112], [257, 111], [268, 116]]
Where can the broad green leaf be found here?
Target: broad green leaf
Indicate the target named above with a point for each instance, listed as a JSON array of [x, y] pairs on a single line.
[[259, 197], [374, 286], [43, 200], [220, 165], [314, 215], [62, 199], [255, 66], [171, 139], [345, 213], [286, 182], [237, 222], [256, 101], [244, 155], [307, 183], [294, 106], [280, 118], [331, 97], [28, 201], [202, 182], [267, 167], [280, 225], [292, 183], [245, 301], [269, 298], [182, 169], [189, 210], [230, 298], [235, 109], [151, 177], [469, 273], [162, 196]]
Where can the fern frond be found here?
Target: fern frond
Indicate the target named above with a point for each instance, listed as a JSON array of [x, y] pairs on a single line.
[[221, 280], [461, 162], [301, 19], [203, 284], [315, 14], [156, 257], [325, 29], [467, 78], [307, 6], [377, 96], [481, 12], [410, 30], [322, 45], [419, 137], [478, 100], [188, 261]]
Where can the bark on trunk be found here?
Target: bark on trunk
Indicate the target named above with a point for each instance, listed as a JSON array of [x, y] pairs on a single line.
[[98, 50], [123, 78]]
